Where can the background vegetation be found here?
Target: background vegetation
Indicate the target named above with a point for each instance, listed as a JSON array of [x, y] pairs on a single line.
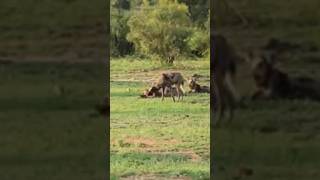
[[164, 29]]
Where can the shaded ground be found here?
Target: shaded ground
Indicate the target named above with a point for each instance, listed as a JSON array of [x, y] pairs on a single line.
[[274, 139], [63, 30], [49, 128]]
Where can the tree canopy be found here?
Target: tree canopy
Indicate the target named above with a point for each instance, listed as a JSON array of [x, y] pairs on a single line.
[[165, 28]]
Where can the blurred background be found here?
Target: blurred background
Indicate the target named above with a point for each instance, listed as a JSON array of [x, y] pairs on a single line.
[[53, 70], [276, 139]]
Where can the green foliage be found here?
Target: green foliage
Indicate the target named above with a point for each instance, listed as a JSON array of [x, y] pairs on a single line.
[[121, 4], [198, 10], [161, 29], [199, 42], [119, 28]]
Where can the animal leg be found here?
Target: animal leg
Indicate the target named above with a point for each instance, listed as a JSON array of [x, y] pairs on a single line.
[[181, 91], [231, 101], [162, 93], [230, 86], [172, 95], [219, 104], [178, 92]]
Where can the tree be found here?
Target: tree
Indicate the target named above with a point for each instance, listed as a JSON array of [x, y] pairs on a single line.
[[161, 29], [198, 10], [199, 41], [225, 12], [120, 13]]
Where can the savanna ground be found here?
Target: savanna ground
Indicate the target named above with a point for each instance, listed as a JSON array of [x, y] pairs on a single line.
[[275, 139], [152, 139]]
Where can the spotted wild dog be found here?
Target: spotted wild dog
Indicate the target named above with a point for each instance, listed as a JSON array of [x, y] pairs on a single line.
[[169, 80], [224, 70], [272, 83], [197, 88]]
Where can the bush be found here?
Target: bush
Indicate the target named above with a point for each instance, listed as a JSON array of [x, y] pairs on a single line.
[[120, 46], [199, 42], [161, 29]]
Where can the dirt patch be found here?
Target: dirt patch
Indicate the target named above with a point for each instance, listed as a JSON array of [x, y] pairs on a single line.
[[154, 177], [149, 76], [190, 154], [138, 76], [143, 142], [149, 145]]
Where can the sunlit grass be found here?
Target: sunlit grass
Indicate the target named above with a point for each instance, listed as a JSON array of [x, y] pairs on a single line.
[[150, 136]]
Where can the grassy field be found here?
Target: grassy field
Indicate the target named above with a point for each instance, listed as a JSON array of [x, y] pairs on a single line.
[[150, 138], [275, 139], [47, 133]]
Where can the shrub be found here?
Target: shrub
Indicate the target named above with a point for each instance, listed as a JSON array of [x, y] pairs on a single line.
[[161, 29]]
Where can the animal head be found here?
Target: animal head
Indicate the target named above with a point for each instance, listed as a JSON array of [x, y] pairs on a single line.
[[192, 82], [262, 65], [165, 76]]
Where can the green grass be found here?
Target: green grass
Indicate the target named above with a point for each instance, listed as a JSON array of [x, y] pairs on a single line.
[[149, 136], [45, 135], [277, 140]]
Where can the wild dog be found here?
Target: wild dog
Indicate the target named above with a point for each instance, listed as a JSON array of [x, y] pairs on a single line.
[[195, 87], [169, 80], [224, 71], [272, 83]]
